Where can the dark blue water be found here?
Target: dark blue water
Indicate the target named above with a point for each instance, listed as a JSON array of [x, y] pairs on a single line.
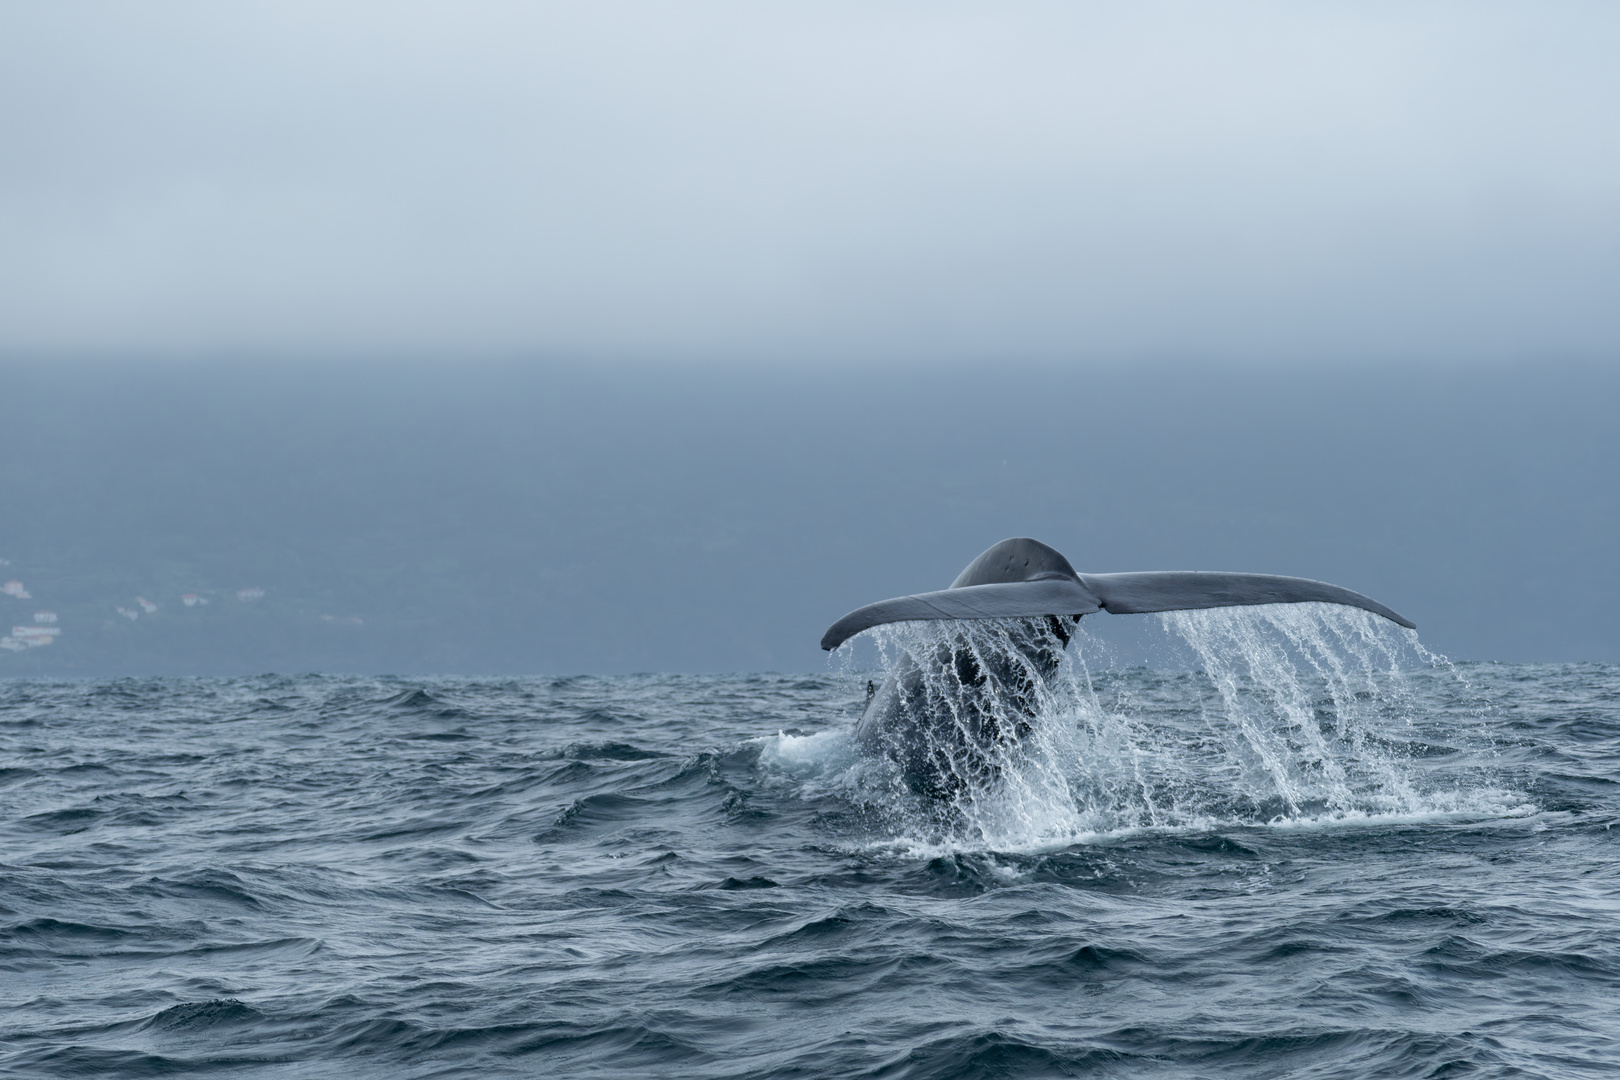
[[1184, 874]]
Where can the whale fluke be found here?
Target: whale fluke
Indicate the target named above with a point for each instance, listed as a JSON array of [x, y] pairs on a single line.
[[949, 714], [1021, 577], [1178, 590], [1051, 596]]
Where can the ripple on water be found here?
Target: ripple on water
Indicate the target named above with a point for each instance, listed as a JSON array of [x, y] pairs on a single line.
[[1269, 862]]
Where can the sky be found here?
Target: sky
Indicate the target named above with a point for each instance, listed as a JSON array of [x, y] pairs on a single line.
[[766, 183], [628, 336]]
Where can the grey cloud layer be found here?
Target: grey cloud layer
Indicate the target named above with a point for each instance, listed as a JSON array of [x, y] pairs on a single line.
[[905, 180]]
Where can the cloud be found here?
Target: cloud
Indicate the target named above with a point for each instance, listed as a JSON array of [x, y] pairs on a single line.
[[881, 180]]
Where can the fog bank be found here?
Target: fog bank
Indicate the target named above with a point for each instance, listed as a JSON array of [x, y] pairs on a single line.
[[568, 519]]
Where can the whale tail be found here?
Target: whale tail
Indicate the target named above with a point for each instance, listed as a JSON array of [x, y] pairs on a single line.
[[1023, 577]]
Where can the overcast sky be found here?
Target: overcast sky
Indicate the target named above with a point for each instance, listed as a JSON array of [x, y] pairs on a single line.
[[811, 180]]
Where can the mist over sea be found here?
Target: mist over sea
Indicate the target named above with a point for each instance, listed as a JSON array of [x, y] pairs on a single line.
[[612, 519], [1300, 844]]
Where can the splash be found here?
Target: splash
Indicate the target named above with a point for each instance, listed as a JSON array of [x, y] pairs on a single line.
[[1281, 715]]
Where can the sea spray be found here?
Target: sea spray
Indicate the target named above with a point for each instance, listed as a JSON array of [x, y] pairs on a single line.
[[1315, 711], [1283, 715]]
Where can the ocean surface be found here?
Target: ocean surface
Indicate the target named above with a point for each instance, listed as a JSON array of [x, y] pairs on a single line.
[[1297, 845]]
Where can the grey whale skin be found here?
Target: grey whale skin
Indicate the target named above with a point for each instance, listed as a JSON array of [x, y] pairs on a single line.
[[945, 725]]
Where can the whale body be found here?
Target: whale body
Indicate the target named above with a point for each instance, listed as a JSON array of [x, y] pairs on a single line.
[[945, 717]]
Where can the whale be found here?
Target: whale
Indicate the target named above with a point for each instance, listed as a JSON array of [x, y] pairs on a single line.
[[947, 717]]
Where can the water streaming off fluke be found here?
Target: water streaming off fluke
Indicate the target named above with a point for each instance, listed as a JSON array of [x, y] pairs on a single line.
[[1274, 715]]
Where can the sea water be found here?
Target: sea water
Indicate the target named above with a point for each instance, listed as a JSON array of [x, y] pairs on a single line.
[[1306, 847]]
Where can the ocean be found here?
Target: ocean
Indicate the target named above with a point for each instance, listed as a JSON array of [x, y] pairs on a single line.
[[1297, 845]]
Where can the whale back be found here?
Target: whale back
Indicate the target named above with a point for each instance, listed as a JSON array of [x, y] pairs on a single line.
[[1017, 559]]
